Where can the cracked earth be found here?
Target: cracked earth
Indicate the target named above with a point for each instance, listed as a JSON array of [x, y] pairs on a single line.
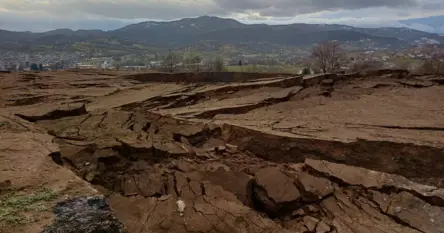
[[244, 152]]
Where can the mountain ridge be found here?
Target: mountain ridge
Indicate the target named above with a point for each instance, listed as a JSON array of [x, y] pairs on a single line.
[[190, 31], [433, 24]]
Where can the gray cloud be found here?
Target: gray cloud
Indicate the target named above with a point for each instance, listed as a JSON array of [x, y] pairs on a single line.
[[38, 22], [279, 8], [125, 9]]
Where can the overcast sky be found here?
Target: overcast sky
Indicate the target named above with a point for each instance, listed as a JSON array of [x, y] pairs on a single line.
[[42, 15]]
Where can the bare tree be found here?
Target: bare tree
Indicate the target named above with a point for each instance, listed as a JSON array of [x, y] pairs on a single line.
[[218, 65], [170, 61], [196, 63], [328, 56], [117, 61], [193, 62], [432, 66], [435, 63], [362, 65]]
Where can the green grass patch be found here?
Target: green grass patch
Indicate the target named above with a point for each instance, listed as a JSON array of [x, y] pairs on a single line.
[[13, 207]]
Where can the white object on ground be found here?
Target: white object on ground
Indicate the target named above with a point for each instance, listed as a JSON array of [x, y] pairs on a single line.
[[180, 206]]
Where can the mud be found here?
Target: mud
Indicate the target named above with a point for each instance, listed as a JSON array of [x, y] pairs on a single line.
[[278, 155]]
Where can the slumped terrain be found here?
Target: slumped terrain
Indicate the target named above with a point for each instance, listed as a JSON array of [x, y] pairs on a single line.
[[102, 152]]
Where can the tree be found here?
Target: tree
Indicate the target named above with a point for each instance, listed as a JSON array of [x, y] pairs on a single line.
[[219, 64], [117, 61], [306, 71], [328, 56], [361, 65], [435, 63], [34, 67], [432, 66], [196, 62], [170, 61], [193, 61]]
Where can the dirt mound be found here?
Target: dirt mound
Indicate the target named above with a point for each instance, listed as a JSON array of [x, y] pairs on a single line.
[[325, 154]]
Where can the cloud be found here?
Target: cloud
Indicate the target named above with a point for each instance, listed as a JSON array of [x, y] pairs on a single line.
[[125, 9], [37, 15], [279, 8], [39, 22]]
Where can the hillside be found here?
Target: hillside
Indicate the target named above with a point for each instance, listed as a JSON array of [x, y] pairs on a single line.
[[214, 30]]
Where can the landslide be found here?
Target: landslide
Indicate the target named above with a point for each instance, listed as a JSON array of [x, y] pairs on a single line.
[[229, 178], [235, 179]]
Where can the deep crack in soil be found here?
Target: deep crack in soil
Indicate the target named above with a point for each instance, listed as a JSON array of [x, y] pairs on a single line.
[[160, 173]]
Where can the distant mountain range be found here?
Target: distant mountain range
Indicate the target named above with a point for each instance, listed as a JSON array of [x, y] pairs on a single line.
[[222, 31], [433, 24]]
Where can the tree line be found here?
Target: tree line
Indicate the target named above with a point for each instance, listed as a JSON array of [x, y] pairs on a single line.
[[328, 57], [325, 57], [193, 62]]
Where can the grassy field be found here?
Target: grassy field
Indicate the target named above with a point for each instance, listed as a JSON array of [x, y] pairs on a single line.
[[15, 209], [263, 68]]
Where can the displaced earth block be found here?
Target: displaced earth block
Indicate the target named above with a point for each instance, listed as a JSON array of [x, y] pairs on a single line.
[[102, 152]]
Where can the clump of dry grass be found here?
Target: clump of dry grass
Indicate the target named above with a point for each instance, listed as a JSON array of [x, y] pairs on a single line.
[[13, 207]]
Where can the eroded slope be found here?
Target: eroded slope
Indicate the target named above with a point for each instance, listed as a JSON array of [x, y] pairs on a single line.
[[329, 153]]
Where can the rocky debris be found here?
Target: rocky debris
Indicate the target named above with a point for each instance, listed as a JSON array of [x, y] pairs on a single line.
[[439, 80], [231, 148], [373, 179], [84, 215], [323, 79], [388, 201], [322, 228], [205, 77], [189, 96], [327, 82], [416, 83], [238, 183], [314, 188], [274, 191], [208, 208], [353, 213], [64, 111], [408, 160], [274, 98], [392, 73], [27, 100], [413, 211], [148, 162], [310, 223], [241, 176], [154, 167], [221, 149]]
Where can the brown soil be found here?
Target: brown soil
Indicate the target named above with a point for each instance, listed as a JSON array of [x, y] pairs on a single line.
[[324, 154]]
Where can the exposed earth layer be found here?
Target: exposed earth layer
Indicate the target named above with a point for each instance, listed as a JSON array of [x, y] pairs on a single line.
[[221, 152]]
